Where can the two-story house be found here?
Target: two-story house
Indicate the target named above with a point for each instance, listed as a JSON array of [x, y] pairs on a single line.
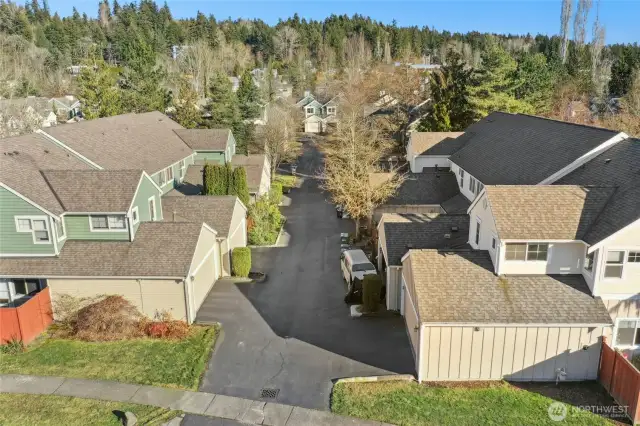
[[320, 112], [545, 266], [70, 226]]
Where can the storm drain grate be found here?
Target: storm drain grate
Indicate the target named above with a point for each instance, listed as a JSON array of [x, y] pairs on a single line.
[[269, 393]]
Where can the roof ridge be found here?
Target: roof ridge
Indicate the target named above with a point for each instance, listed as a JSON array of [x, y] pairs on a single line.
[[567, 122]]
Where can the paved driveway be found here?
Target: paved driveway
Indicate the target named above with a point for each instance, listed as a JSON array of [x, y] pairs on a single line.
[[293, 332]]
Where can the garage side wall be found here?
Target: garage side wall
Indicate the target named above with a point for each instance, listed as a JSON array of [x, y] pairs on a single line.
[[512, 353], [149, 296]]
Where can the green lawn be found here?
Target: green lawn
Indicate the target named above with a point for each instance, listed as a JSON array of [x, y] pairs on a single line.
[[408, 403], [177, 364], [286, 180], [19, 409]]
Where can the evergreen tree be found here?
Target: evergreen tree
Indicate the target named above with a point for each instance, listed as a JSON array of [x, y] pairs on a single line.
[[99, 92], [534, 80], [238, 185], [248, 97], [187, 115], [223, 104]]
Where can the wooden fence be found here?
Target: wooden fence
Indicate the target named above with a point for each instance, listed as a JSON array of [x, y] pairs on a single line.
[[621, 379], [26, 321]]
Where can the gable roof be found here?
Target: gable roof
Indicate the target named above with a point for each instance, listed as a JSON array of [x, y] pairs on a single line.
[[37, 149], [205, 139], [562, 212], [429, 187], [215, 211], [254, 165], [130, 141], [460, 287], [518, 149], [94, 191], [435, 143], [403, 232], [619, 166], [146, 256]]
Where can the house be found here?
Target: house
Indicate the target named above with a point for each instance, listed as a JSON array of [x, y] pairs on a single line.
[[83, 213], [548, 265], [66, 107], [209, 145], [320, 112]]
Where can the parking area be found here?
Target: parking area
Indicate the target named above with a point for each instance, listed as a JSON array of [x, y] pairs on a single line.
[[293, 333]]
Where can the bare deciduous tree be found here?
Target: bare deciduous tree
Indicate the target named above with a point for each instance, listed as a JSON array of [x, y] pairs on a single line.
[[600, 67], [286, 41], [580, 21], [352, 161], [565, 17], [198, 61], [17, 119], [277, 139]]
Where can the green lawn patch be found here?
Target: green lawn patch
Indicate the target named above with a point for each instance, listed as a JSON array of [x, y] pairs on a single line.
[[409, 403], [286, 180], [19, 409], [159, 362]]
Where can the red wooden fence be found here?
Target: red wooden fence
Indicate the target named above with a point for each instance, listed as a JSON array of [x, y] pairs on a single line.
[[28, 320], [621, 379]]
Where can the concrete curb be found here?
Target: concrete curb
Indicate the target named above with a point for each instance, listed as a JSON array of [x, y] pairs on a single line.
[[201, 403], [280, 236], [387, 378]]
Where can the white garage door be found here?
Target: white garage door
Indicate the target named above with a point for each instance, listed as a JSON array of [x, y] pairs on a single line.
[[204, 279], [312, 127]]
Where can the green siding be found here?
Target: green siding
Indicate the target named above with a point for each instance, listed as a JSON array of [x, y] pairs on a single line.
[[168, 186], [211, 157], [78, 229], [12, 241], [146, 190]]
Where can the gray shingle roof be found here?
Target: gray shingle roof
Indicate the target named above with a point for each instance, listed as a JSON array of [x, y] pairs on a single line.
[[547, 212], [619, 166], [94, 190], [27, 180], [36, 149], [436, 143], [458, 204], [517, 149], [205, 139], [403, 232], [215, 211], [460, 287], [425, 188], [254, 166], [130, 141], [146, 256]]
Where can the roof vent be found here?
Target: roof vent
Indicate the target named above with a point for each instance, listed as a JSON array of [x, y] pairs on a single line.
[[409, 246], [607, 161], [46, 151], [447, 236], [454, 229]]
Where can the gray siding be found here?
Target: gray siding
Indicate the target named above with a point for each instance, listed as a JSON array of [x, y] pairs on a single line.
[[12, 241]]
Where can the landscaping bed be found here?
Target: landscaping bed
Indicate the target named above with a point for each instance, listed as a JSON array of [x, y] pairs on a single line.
[[19, 409], [287, 181], [410, 403], [160, 362]]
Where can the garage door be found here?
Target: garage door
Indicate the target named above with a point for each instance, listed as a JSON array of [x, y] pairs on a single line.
[[204, 279], [312, 127], [411, 321]]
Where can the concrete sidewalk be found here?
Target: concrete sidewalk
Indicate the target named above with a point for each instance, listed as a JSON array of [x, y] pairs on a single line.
[[227, 407]]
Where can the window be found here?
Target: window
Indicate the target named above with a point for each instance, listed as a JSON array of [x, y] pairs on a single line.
[[182, 167], [331, 110], [615, 263], [516, 251], [477, 232], [588, 261], [60, 229], [627, 333], [461, 178], [152, 208], [161, 178], [108, 223], [479, 187], [37, 226], [310, 110], [134, 215], [170, 174], [472, 184], [634, 257], [537, 251], [493, 243]]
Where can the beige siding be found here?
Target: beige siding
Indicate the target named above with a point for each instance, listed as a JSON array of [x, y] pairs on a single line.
[[225, 255], [411, 320], [626, 308], [149, 296], [418, 209], [204, 280], [238, 227], [394, 289], [513, 353], [627, 240], [206, 242]]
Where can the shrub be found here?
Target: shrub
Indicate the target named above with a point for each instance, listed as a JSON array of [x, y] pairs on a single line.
[[66, 308], [165, 327], [238, 185], [275, 194], [241, 261], [113, 318], [265, 219], [215, 179], [371, 288]]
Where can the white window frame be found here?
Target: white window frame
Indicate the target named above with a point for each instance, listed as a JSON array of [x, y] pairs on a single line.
[[182, 167], [538, 251], [472, 184], [494, 242], [615, 333], [162, 178], [153, 217], [331, 110], [64, 230], [313, 110], [526, 251], [636, 255], [109, 228], [605, 263], [32, 231], [593, 261], [476, 235], [170, 176], [135, 215]]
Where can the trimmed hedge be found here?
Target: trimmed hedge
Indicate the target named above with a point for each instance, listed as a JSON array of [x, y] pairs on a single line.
[[275, 193], [238, 185], [371, 288], [241, 261]]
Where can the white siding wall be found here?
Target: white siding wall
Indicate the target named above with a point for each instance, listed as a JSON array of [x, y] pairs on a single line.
[[464, 189], [482, 211], [421, 161], [562, 258], [513, 353], [629, 284]]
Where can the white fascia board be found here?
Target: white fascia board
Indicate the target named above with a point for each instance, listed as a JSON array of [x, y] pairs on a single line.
[[585, 158], [33, 203], [74, 152]]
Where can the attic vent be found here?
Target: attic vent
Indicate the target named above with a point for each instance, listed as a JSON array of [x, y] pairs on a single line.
[[409, 246], [447, 236], [46, 151], [607, 161], [454, 229]]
